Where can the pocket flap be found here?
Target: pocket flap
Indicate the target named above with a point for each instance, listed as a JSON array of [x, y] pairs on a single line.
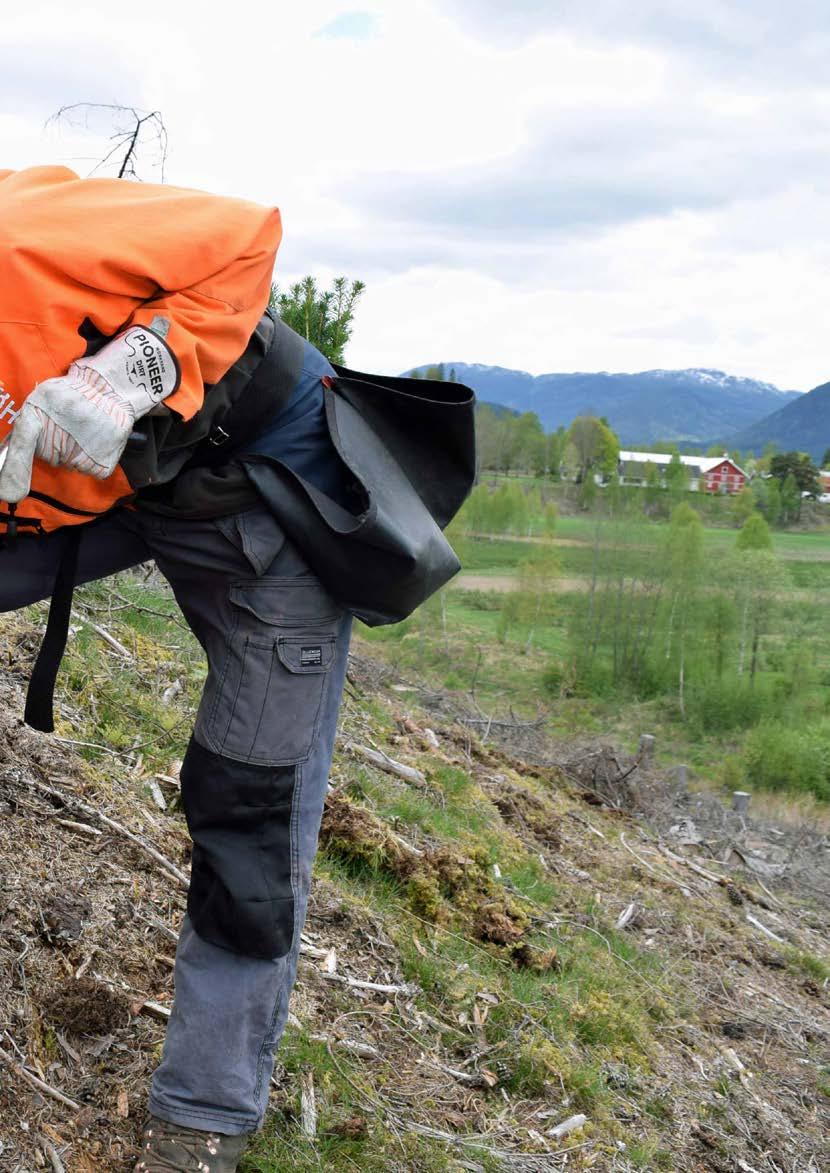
[[311, 653], [284, 602]]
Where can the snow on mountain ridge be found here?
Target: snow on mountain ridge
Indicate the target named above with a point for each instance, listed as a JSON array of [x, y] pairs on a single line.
[[694, 406], [703, 375], [714, 376]]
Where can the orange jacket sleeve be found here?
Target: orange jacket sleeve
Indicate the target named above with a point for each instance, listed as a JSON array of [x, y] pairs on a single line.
[[204, 262]]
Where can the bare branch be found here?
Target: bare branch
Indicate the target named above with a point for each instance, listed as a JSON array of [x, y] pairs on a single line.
[[144, 128]]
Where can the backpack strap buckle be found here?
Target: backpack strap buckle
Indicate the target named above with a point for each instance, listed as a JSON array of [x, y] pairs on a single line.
[[219, 436]]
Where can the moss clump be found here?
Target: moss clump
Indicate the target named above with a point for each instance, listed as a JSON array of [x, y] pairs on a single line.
[[538, 1065], [526, 956], [423, 894], [353, 834], [438, 881]]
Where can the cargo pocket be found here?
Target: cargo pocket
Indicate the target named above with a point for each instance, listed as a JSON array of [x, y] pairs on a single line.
[[262, 703], [257, 534]]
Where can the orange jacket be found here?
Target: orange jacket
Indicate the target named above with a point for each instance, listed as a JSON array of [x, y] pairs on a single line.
[[119, 253]]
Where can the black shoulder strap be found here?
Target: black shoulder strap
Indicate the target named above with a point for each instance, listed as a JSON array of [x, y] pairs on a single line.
[[40, 696]]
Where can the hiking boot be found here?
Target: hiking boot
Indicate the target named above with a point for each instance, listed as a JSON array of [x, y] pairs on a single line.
[[167, 1147]]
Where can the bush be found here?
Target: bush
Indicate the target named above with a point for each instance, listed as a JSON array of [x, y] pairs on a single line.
[[478, 600], [595, 679], [555, 677], [718, 706], [779, 757], [733, 772]]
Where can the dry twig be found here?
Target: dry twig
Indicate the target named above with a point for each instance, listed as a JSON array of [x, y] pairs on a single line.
[[105, 636], [52, 1154], [308, 1105], [18, 1068], [70, 800], [389, 765], [408, 988]]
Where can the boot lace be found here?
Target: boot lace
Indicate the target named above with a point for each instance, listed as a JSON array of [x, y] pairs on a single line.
[[192, 1144]]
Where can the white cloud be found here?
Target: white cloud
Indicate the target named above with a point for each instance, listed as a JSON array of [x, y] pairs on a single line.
[[517, 183]]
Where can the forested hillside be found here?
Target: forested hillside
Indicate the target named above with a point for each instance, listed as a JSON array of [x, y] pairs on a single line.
[[803, 424]]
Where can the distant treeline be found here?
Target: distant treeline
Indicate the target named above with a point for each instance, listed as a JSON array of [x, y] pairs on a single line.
[[513, 444]]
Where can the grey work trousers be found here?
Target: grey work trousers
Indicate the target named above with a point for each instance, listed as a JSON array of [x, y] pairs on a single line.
[[253, 783]]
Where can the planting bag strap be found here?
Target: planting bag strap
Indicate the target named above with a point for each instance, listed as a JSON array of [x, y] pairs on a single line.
[[39, 712]]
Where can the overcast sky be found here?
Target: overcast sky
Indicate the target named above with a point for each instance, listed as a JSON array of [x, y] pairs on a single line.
[[543, 184]]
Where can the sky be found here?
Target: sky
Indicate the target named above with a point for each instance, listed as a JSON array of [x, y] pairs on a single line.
[[547, 185]]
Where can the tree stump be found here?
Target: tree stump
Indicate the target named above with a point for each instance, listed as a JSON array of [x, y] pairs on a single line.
[[646, 748], [740, 802]]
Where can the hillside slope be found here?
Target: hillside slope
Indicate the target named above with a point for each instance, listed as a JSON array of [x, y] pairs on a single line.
[[801, 426], [692, 406], [494, 948]]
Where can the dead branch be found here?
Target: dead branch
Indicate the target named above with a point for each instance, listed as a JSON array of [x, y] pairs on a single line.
[[308, 1105], [52, 1154], [384, 762], [694, 866], [159, 924], [581, 819], [362, 1050], [518, 1161], [814, 1027], [105, 636], [470, 1078], [155, 1010], [667, 879], [87, 745], [71, 800], [569, 1125], [38, 1084], [127, 138], [81, 828], [491, 723], [626, 916], [408, 988], [753, 920], [141, 609], [155, 791]]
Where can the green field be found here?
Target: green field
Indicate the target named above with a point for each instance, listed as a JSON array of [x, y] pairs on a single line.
[[740, 706], [807, 555]]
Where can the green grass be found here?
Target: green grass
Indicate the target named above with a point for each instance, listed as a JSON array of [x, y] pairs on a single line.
[[494, 554], [117, 702], [807, 556], [808, 964], [475, 645], [548, 1032]]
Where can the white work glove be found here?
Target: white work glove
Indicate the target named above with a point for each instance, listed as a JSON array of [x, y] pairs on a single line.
[[83, 419]]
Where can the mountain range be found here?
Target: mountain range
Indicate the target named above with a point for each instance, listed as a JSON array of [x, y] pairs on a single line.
[[686, 407], [802, 425]]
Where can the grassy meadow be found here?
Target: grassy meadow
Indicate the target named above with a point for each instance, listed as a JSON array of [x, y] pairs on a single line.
[[613, 624]]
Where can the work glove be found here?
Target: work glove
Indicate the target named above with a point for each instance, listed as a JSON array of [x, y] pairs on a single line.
[[83, 419]]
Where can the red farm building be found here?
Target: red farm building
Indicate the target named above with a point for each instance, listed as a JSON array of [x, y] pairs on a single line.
[[707, 474]]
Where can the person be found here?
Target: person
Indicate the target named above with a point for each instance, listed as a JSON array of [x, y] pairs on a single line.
[[137, 356]]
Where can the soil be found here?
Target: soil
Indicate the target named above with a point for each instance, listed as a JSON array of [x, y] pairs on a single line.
[[88, 921], [85, 1007]]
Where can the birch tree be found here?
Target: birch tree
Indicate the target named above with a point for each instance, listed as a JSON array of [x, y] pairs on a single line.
[[686, 562]]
